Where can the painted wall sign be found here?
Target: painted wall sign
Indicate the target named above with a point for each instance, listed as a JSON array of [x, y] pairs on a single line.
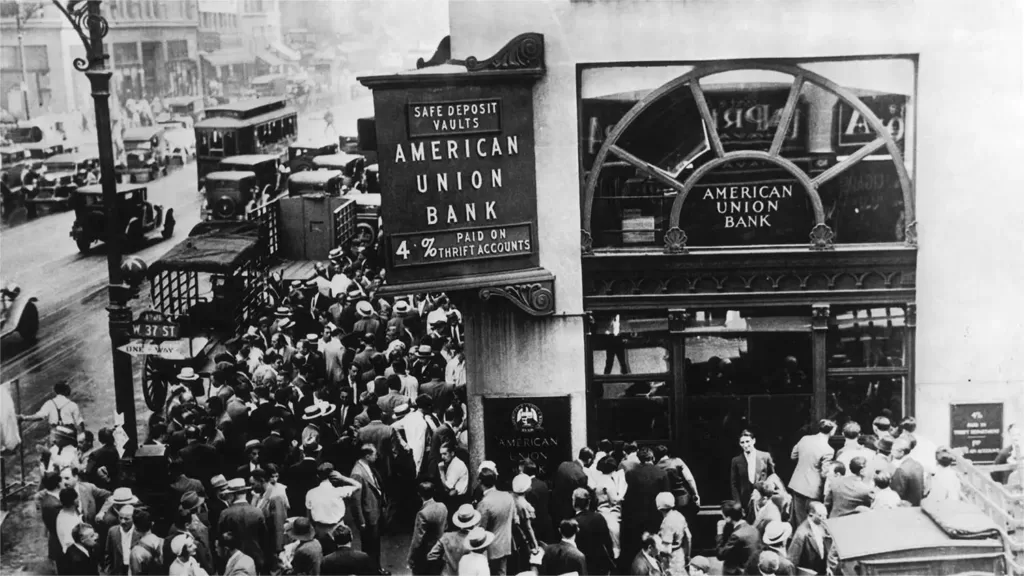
[[451, 118], [735, 213], [978, 428], [537, 428], [852, 131], [458, 178]]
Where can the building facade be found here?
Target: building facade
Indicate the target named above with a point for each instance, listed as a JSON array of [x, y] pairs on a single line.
[[763, 214]]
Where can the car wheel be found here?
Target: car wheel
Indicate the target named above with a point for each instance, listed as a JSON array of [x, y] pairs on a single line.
[[84, 244], [28, 325]]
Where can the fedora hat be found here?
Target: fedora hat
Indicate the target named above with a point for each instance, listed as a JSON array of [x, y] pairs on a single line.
[[235, 486], [776, 533], [283, 312], [424, 351], [478, 539], [122, 496], [301, 529], [466, 517], [401, 308], [402, 409], [188, 374], [65, 432], [218, 482], [191, 500], [364, 309]]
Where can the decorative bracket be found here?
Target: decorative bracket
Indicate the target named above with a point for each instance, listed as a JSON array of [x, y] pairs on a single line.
[[822, 237], [91, 28], [524, 52], [586, 243], [443, 55], [535, 298], [675, 241], [820, 314], [910, 234]]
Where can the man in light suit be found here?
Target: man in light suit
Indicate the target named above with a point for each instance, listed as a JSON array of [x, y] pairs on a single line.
[[749, 468], [237, 562], [121, 538], [497, 509], [90, 497], [430, 524], [807, 484], [908, 480], [812, 542], [372, 502]]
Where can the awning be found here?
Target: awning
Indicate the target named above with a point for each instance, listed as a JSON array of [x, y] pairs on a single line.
[[269, 58], [288, 53], [228, 56]]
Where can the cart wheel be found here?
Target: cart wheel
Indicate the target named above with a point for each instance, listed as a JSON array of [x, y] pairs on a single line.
[[154, 385], [28, 325], [84, 244]]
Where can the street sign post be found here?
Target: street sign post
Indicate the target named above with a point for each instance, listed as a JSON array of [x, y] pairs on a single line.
[[153, 325], [169, 349]]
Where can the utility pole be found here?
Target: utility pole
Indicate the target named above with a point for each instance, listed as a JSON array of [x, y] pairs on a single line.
[[24, 67]]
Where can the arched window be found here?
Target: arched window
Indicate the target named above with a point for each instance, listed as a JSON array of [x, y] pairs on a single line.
[[744, 154]]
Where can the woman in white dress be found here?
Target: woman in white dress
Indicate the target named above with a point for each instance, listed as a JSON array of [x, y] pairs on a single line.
[[945, 483], [609, 486]]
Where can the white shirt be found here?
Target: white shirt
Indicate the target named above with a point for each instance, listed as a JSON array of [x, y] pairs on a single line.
[[751, 464], [126, 544], [339, 285], [66, 457], [66, 522], [455, 373], [415, 426], [326, 502], [410, 385], [818, 533], [474, 564], [456, 477], [60, 409], [851, 450]]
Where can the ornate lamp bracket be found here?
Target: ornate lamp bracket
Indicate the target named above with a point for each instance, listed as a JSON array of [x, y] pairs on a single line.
[[534, 298], [91, 28]]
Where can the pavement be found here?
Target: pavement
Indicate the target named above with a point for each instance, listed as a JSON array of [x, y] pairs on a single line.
[[73, 343]]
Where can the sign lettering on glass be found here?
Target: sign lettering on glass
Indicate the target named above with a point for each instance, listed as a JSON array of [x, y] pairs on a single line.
[[978, 429], [853, 130], [737, 213]]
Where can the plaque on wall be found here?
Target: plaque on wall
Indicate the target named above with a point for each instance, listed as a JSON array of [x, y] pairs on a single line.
[[537, 428], [978, 429]]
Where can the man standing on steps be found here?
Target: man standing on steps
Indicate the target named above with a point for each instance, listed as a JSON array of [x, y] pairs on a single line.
[[807, 484]]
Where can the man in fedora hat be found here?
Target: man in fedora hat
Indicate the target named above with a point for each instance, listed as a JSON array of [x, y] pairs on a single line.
[[64, 452], [450, 548], [216, 504], [775, 539], [308, 555], [474, 561], [245, 521]]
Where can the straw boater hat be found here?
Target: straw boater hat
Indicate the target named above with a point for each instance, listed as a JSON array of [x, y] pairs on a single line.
[[665, 501], [776, 533], [353, 291], [122, 496], [285, 324], [312, 338], [424, 351], [187, 375], [191, 500], [317, 411], [478, 539], [283, 312], [521, 484], [235, 486], [466, 517], [336, 254], [402, 409], [401, 308], [364, 309]]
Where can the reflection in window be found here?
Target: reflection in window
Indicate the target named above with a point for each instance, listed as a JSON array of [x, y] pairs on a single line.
[[862, 398], [866, 338], [623, 344], [865, 203], [768, 363], [633, 410]]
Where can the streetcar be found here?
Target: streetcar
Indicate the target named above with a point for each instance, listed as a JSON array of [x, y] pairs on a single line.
[[259, 126]]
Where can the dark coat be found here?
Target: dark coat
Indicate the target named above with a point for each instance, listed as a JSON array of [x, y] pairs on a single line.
[[739, 479], [595, 542], [568, 477], [430, 524], [539, 496], [742, 544], [274, 450], [308, 557], [49, 507], [103, 457], [563, 558], [639, 511], [847, 493], [908, 481], [74, 561], [249, 525], [201, 461], [347, 562], [300, 479], [803, 551]]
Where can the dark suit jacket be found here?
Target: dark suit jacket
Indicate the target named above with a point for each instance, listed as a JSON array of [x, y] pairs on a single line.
[[641, 566], [563, 558], [90, 500], [804, 553], [639, 512], [274, 449], [568, 477], [113, 557], [430, 524], [77, 562], [385, 438], [737, 550], [739, 478], [249, 526], [104, 456], [300, 479], [595, 542], [908, 481], [539, 496], [308, 557], [847, 493], [347, 562]]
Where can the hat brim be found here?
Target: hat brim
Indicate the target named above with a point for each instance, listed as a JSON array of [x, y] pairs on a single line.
[[787, 531], [194, 506], [133, 501], [238, 490], [473, 520], [488, 540], [308, 417], [191, 378], [331, 408]]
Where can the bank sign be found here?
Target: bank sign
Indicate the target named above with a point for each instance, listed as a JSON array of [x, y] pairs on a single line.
[[458, 182]]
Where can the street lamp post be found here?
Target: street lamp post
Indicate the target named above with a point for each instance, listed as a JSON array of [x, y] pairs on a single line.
[[91, 27]]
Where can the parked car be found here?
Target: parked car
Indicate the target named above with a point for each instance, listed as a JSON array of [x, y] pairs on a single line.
[[60, 176], [193, 107], [228, 194], [315, 183], [301, 154], [18, 313], [351, 164], [367, 215], [181, 144], [146, 154], [139, 215]]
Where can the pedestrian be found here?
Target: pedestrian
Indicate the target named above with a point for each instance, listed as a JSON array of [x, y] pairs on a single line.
[[768, 563], [59, 410], [236, 562], [244, 521], [498, 513], [184, 548], [884, 497], [811, 543], [372, 503], [427, 529], [639, 510], [567, 478], [475, 562], [811, 454], [852, 446], [103, 465], [684, 487], [698, 566], [945, 483], [593, 539], [252, 453], [739, 541], [775, 539], [144, 558], [326, 502], [524, 538], [91, 499], [564, 557], [674, 533], [849, 492], [308, 554], [80, 558], [302, 477], [67, 518], [450, 548], [271, 499], [64, 452], [345, 560], [908, 479], [646, 562], [120, 541], [609, 486], [749, 468]]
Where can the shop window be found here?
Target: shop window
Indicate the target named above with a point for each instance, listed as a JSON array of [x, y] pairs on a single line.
[[747, 154], [867, 338], [177, 49], [627, 344], [862, 398], [126, 53]]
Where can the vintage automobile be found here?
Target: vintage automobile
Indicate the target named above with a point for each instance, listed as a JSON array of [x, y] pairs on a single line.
[[943, 538], [270, 85], [371, 179], [264, 166], [301, 154], [12, 165], [228, 195], [189, 106], [367, 216], [181, 140], [146, 154], [18, 313], [60, 176], [351, 164], [316, 183], [42, 137], [139, 216]]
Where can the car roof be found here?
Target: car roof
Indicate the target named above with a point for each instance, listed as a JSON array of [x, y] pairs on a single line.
[[335, 159], [364, 199], [314, 176], [886, 531], [142, 133], [95, 189], [248, 159], [225, 175], [71, 157], [313, 143]]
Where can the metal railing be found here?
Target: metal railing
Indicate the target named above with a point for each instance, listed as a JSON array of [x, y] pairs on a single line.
[[344, 223], [266, 215], [1005, 506]]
